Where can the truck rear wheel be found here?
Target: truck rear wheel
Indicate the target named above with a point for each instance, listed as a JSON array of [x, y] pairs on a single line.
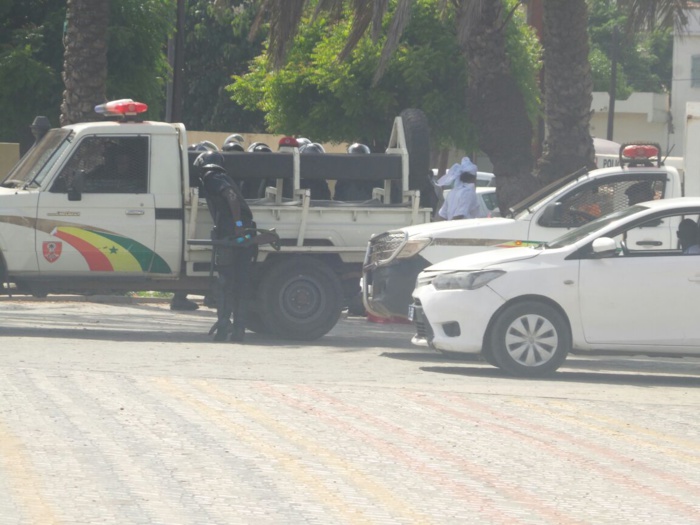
[[300, 298]]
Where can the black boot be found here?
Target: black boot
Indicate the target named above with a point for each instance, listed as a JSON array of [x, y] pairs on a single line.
[[221, 331], [238, 333]]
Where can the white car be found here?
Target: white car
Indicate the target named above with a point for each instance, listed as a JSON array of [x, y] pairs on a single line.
[[483, 178], [487, 201], [616, 285]]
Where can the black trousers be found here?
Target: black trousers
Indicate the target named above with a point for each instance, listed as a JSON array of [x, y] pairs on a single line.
[[233, 266]]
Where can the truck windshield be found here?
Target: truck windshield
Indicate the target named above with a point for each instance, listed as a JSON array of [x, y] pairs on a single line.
[[550, 188], [577, 234], [34, 165]]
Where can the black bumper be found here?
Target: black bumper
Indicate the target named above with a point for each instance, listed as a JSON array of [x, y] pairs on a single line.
[[392, 286]]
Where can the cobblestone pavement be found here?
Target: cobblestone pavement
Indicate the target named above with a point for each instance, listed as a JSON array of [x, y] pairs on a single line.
[[128, 414]]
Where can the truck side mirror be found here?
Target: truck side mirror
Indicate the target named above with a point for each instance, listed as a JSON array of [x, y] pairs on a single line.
[[551, 215], [75, 185]]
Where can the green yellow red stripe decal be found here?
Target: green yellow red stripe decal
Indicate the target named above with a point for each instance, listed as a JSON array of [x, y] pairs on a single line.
[[100, 252], [104, 251]]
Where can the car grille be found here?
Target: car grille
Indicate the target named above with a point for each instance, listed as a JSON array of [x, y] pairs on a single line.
[[423, 329], [383, 247]]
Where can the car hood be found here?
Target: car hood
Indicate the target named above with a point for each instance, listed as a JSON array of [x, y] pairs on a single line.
[[455, 229], [485, 259], [10, 191]]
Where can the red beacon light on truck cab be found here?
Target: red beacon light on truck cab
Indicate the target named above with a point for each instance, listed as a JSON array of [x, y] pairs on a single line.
[[121, 108], [640, 154]]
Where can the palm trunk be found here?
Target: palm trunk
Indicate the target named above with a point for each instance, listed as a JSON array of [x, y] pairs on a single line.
[[85, 59], [496, 104], [568, 87]]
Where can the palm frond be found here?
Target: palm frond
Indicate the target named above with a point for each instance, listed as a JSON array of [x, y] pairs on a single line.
[[362, 17], [401, 18], [380, 9], [652, 14], [285, 16]]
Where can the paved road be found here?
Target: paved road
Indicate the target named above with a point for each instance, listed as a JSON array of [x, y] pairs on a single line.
[[128, 414]]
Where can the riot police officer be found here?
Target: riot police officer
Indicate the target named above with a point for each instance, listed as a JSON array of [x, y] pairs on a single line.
[[233, 221]]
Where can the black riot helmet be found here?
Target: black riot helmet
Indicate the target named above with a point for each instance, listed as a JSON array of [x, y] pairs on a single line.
[[314, 148], [261, 148], [232, 146], [236, 137], [358, 148], [204, 145], [209, 159], [255, 145]]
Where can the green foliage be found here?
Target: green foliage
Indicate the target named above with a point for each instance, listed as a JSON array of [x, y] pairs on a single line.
[[216, 48], [645, 59], [137, 65], [29, 85], [31, 58], [525, 53], [315, 95]]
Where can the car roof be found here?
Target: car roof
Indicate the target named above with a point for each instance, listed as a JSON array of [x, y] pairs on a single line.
[[678, 202]]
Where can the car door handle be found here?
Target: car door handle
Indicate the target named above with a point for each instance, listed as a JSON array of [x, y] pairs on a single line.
[[135, 212], [648, 243]]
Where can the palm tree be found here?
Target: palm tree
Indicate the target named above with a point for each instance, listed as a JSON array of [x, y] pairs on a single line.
[[568, 88], [85, 59], [496, 104]]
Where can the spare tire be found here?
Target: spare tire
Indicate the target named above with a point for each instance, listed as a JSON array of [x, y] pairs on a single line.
[[417, 133]]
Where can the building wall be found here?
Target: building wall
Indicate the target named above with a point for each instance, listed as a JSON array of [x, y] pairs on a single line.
[[685, 45], [9, 155], [643, 116]]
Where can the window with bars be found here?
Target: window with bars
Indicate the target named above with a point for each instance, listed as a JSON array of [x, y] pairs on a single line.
[[601, 197], [109, 164]]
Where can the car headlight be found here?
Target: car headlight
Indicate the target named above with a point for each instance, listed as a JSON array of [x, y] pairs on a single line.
[[412, 247], [465, 280]]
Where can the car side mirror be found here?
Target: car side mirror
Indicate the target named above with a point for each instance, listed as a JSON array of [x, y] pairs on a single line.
[[604, 247], [75, 185], [551, 215]]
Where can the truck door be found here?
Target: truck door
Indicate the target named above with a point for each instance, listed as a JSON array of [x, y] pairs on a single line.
[[598, 197], [98, 215]]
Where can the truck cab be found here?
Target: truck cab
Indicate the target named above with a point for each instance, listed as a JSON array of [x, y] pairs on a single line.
[[103, 200]]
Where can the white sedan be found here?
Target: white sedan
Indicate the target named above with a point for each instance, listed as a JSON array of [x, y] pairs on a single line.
[[621, 284]]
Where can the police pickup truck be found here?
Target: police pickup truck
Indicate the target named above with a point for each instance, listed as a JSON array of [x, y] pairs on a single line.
[[78, 215], [396, 257]]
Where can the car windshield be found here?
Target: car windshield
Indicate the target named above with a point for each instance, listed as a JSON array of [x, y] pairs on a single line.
[[30, 170], [577, 234]]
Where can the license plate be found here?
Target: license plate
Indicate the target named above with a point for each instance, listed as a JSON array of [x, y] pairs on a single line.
[[411, 312]]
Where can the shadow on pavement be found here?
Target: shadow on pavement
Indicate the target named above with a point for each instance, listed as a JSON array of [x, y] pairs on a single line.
[[638, 378], [426, 357]]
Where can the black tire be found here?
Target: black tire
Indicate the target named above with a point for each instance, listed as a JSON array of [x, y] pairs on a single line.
[[530, 339], [417, 133], [300, 298], [487, 355]]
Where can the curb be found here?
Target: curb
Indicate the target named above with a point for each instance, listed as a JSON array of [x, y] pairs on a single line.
[[107, 299]]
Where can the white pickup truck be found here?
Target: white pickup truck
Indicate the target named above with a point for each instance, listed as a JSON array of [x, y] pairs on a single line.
[[396, 257], [126, 225]]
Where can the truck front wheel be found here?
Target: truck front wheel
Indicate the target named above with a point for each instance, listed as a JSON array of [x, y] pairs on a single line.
[[300, 298]]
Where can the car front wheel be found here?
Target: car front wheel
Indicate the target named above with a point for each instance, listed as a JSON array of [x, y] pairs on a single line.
[[530, 339]]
